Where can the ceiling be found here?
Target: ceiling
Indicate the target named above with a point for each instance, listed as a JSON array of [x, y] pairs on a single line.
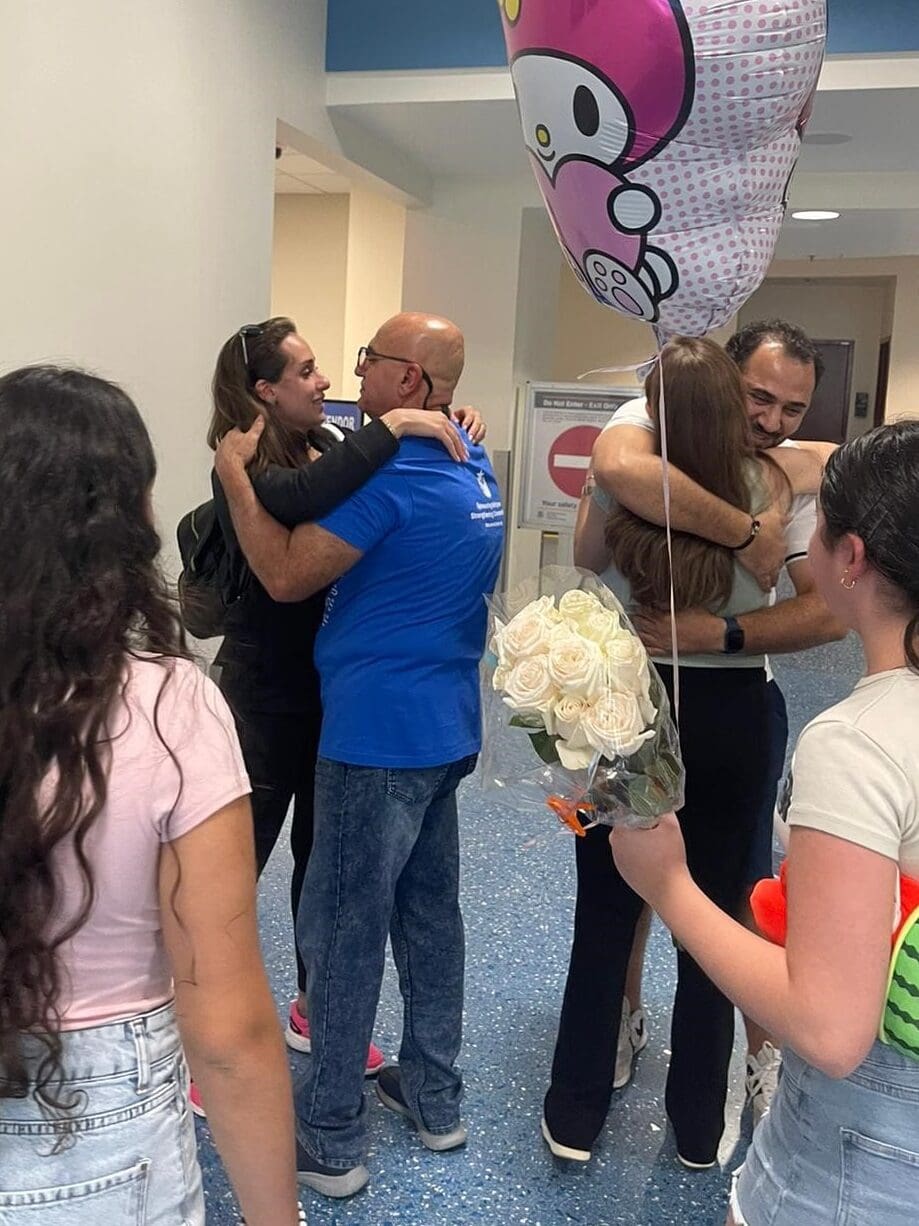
[[296, 174], [465, 125]]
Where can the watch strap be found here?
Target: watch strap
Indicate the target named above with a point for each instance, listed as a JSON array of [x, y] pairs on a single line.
[[733, 636]]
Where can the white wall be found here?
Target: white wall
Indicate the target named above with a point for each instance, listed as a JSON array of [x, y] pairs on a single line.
[[309, 274], [373, 281], [137, 141], [833, 312], [462, 258]]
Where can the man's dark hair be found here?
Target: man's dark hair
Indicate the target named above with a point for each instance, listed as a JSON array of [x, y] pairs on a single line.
[[794, 340]]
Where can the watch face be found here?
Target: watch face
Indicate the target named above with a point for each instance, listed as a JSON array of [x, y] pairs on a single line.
[[733, 638]]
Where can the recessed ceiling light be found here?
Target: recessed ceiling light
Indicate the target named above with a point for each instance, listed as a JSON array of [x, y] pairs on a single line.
[[826, 138], [815, 215]]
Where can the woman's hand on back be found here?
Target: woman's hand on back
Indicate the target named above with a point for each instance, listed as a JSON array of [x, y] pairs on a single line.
[[471, 420], [427, 423]]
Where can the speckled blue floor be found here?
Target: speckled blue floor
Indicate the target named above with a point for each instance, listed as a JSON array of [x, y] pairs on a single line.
[[518, 906]]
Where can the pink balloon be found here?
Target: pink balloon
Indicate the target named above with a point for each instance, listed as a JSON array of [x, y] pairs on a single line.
[[663, 135]]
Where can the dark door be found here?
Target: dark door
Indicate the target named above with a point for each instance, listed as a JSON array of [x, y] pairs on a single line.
[[827, 419], [880, 396]]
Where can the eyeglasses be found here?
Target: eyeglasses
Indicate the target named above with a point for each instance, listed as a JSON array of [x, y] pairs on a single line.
[[366, 354], [250, 330]]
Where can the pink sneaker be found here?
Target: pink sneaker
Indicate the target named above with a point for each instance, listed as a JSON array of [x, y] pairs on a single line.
[[194, 1101], [297, 1036]]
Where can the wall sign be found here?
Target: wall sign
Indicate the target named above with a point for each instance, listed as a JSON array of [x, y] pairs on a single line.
[[561, 423], [343, 413]]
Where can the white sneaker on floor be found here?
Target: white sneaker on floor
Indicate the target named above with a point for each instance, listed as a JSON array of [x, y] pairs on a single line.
[[762, 1079], [633, 1038]]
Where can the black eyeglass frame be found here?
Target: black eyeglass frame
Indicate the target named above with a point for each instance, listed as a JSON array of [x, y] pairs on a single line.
[[366, 352]]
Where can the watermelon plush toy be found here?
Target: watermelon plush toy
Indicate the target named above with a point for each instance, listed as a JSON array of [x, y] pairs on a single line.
[[900, 1020]]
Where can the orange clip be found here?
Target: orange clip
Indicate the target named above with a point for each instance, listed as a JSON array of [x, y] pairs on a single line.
[[567, 813]]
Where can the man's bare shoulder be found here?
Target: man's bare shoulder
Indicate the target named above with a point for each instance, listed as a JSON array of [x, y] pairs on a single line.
[[823, 451]]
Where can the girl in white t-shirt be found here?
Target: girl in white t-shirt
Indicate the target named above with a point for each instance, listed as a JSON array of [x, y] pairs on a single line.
[[840, 1143], [123, 800]]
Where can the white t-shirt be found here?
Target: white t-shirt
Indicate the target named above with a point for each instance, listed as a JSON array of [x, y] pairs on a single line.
[[116, 965], [855, 772]]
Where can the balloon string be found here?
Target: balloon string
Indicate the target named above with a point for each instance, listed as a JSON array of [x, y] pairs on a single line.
[[674, 644], [641, 369]]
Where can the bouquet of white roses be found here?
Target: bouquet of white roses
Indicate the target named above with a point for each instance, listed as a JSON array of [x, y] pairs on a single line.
[[574, 714]]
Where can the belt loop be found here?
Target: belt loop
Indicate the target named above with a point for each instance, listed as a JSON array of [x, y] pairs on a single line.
[[141, 1053]]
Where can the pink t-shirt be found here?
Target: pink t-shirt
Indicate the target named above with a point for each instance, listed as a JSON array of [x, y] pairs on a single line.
[[116, 966]]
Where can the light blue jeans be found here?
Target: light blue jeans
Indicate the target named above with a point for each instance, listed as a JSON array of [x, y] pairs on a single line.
[[837, 1153], [131, 1158], [385, 859]]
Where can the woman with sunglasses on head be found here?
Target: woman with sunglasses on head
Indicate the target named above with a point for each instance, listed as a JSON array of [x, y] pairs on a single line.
[[839, 1146], [123, 797], [267, 674]]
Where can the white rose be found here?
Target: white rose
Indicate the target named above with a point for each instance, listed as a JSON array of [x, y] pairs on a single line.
[[499, 677], [528, 688], [568, 713], [648, 709], [565, 628], [573, 748], [614, 725], [527, 634], [574, 759], [578, 605], [627, 657], [577, 666], [600, 625]]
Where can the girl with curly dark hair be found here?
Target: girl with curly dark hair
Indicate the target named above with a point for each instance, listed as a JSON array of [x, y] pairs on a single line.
[[123, 797]]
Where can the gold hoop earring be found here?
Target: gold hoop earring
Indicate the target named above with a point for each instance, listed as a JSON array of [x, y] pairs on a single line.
[[848, 584]]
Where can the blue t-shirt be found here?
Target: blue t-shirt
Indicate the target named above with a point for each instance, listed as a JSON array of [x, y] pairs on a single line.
[[404, 629]]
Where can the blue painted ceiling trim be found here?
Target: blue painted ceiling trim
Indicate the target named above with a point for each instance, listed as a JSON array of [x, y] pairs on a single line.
[[367, 36]]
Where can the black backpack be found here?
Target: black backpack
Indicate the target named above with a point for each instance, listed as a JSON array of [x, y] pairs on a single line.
[[213, 577]]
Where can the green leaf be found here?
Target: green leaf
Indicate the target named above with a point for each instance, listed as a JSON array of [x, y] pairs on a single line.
[[647, 798], [545, 746], [528, 721]]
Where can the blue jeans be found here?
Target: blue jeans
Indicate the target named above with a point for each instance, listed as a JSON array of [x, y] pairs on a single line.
[[385, 858], [131, 1158], [837, 1153]]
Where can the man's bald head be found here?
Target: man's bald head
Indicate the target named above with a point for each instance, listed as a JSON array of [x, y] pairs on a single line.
[[421, 343]]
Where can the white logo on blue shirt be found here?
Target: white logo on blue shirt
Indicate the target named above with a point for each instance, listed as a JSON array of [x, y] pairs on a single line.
[[483, 483]]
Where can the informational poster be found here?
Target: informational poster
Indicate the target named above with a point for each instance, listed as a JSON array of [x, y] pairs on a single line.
[[561, 423]]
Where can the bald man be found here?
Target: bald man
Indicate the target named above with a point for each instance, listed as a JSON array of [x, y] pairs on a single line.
[[411, 555]]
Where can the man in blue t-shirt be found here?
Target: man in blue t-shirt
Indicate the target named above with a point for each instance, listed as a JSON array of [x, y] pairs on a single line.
[[412, 554]]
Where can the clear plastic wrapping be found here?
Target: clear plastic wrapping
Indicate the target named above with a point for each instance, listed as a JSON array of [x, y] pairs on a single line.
[[575, 718]]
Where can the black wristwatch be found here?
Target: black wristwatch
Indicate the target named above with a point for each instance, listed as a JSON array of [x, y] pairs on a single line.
[[733, 636]]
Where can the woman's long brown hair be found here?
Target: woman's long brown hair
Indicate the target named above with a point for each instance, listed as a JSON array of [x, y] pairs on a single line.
[[251, 354], [709, 439]]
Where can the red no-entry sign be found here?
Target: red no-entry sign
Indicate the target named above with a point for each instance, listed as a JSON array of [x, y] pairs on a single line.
[[569, 458]]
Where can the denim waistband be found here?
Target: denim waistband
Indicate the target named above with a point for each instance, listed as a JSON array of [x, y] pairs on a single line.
[[883, 1069], [132, 1045]]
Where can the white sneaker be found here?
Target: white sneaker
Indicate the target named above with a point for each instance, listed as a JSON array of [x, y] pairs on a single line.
[[633, 1038], [762, 1079]]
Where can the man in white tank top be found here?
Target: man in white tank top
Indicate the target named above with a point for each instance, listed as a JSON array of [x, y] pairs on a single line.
[[780, 368]]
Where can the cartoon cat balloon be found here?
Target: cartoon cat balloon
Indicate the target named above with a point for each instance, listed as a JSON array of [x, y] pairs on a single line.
[[663, 135]]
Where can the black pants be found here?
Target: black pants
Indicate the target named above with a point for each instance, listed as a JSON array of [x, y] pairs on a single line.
[[724, 729], [280, 752]]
